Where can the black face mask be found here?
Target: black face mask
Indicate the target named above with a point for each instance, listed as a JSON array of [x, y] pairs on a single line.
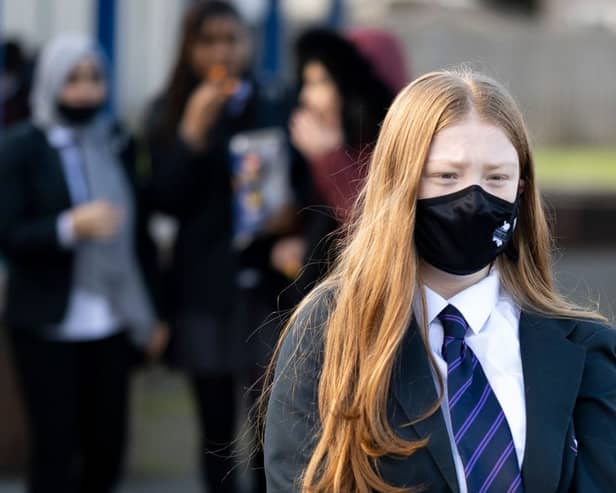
[[462, 232], [78, 115]]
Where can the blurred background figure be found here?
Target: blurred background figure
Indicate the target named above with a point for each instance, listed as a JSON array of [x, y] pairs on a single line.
[[76, 300], [217, 142], [346, 84], [15, 80]]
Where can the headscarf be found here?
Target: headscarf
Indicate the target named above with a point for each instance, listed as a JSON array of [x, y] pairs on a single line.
[[58, 58], [108, 268]]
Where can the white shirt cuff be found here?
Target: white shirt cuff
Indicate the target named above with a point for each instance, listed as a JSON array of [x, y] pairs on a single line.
[[66, 233]]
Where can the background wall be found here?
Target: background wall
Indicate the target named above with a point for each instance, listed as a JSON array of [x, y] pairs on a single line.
[[559, 60], [562, 77]]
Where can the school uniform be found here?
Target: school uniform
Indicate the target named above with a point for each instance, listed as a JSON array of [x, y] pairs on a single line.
[[72, 346], [218, 298], [207, 274], [555, 381]]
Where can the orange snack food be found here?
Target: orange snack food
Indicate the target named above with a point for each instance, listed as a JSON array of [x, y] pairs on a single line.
[[219, 73]]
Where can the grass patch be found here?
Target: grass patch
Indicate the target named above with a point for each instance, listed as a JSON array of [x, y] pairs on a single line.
[[575, 168]]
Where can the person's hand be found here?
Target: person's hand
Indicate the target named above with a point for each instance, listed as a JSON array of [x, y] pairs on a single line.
[[288, 256], [311, 136], [158, 341], [203, 109], [97, 220]]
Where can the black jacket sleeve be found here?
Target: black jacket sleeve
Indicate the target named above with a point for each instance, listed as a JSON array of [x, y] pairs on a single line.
[[595, 415], [179, 177], [292, 422], [145, 247], [179, 173], [22, 234]]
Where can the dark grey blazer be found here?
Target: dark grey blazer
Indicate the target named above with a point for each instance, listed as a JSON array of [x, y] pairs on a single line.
[[570, 385], [33, 192]]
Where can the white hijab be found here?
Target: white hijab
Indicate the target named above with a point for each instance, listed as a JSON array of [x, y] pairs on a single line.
[[55, 63]]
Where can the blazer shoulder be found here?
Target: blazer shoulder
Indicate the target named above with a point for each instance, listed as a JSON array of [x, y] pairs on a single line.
[[305, 335], [588, 332], [583, 332], [19, 142], [23, 130], [22, 136]]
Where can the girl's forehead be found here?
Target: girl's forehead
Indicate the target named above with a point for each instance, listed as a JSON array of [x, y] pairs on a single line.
[[473, 139]]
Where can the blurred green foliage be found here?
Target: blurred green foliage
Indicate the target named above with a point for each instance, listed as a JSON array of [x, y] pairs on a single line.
[[576, 168]]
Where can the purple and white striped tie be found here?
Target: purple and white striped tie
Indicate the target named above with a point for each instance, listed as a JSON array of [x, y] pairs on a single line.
[[479, 425]]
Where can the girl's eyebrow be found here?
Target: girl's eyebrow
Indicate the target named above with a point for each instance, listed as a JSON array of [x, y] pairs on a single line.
[[463, 164], [504, 164], [450, 162]]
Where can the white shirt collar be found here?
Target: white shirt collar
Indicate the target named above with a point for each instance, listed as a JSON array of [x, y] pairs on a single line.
[[475, 302], [59, 136]]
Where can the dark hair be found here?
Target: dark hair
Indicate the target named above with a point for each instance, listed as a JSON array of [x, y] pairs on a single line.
[[183, 79], [13, 55], [365, 96]]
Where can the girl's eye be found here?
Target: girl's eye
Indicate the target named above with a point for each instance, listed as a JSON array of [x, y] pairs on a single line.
[[497, 177], [448, 176]]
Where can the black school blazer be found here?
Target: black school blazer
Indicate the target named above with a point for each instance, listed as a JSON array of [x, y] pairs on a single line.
[[33, 192], [570, 385]]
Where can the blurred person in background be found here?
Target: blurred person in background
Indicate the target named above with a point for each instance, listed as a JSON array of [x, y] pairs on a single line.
[[347, 83], [15, 80], [76, 299], [219, 292]]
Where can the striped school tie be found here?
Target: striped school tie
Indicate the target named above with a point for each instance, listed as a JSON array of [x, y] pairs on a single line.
[[479, 425]]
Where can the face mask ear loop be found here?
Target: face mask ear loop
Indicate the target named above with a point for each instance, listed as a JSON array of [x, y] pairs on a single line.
[[510, 250]]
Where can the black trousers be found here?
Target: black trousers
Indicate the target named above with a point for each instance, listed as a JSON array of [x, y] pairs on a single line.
[[76, 397], [215, 397], [217, 411]]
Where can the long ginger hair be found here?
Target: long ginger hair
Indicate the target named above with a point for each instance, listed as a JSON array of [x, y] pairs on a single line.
[[375, 277]]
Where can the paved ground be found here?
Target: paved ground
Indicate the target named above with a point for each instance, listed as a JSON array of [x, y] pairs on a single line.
[[164, 448], [180, 485]]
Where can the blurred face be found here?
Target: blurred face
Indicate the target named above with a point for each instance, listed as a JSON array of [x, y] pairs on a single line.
[[222, 41], [319, 93], [471, 152], [84, 86]]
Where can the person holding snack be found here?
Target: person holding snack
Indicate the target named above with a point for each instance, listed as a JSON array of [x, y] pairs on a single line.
[[219, 157]]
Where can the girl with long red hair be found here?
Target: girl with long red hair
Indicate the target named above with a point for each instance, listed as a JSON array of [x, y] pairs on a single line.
[[437, 355]]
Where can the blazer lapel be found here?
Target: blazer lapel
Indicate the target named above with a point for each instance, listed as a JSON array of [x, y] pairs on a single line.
[[49, 173], [415, 391], [552, 367]]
